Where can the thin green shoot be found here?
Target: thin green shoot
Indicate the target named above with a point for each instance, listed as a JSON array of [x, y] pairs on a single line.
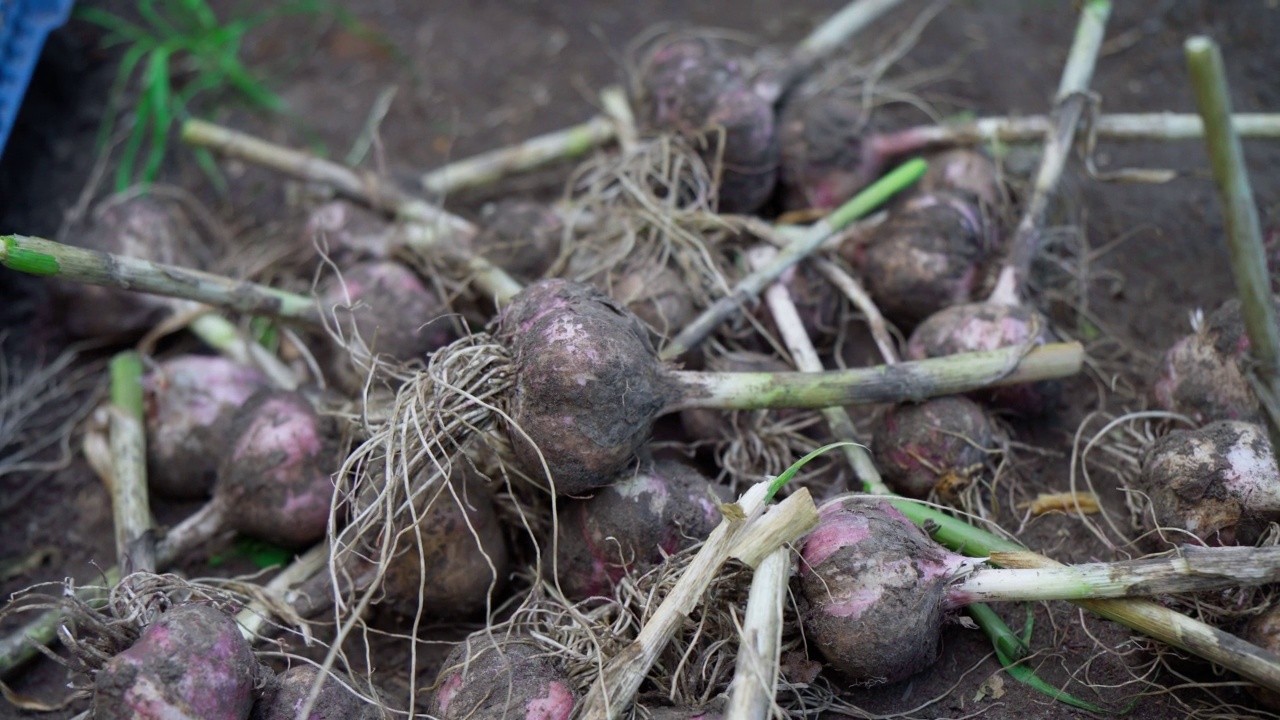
[[260, 553], [265, 332], [776, 484], [1014, 663]]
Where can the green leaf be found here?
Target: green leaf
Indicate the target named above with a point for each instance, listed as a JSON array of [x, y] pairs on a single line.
[[1012, 662], [1028, 625], [1002, 637], [877, 193], [790, 472], [1028, 677], [128, 64], [1086, 329], [112, 23], [957, 118], [265, 332], [209, 165], [183, 97], [159, 23], [161, 111], [186, 34], [201, 11], [263, 554], [256, 92], [132, 146]]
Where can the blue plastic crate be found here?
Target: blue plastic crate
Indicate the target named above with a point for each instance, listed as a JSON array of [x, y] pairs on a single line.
[[24, 25]]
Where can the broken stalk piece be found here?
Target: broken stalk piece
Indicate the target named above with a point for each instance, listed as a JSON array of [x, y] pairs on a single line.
[[533, 153], [435, 231], [130, 503], [37, 256], [1193, 569], [913, 380], [1244, 238], [802, 246], [1117, 126]]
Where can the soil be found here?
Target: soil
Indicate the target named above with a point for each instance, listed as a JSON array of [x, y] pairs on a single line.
[[469, 76]]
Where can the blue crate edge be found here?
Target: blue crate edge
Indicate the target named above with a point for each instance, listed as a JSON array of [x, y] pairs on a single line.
[[24, 26]]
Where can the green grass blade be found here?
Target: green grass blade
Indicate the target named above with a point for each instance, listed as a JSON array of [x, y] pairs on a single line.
[[222, 39], [220, 53], [1002, 637], [188, 31], [1028, 677], [266, 332], [203, 14], [209, 165], [201, 83], [204, 158], [128, 63], [112, 23], [988, 620], [159, 23], [254, 91], [161, 112], [1029, 625], [129, 157], [878, 193], [790, 472]]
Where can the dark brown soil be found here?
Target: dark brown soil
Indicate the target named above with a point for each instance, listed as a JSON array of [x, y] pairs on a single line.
[[475, 75]]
